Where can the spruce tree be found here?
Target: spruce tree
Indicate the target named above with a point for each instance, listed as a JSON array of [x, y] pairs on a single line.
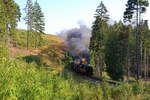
[[99, 30]]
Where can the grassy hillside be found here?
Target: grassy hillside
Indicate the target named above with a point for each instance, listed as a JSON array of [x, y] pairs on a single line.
[[49, 54]]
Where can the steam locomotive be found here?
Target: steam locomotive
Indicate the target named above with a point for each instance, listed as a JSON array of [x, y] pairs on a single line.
[[81, 66]]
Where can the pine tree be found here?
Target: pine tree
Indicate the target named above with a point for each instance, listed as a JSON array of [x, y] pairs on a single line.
[[29, 10], [136, 7], [38, 18], [99, 30], [10, 15], [38, 23]]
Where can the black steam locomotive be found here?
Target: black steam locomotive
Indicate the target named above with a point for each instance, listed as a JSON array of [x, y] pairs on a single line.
[[81, 66]]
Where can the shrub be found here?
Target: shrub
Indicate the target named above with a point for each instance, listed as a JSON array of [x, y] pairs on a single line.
[[137, 89], [3, 51]]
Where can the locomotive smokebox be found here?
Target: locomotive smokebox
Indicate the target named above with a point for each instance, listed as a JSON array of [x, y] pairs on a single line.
[[84, 61], [81, 65]]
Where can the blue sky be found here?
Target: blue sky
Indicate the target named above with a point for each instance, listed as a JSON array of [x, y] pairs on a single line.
[[66, 14]]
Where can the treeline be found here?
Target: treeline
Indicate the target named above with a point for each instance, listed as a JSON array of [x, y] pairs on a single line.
[[115, 48], [10, 15]]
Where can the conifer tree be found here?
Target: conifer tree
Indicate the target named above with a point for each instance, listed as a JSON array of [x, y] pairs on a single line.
[[116, 51], [38, 23], [145, 37], [136, 7], [38, 18], [99, 30], [10, 15], [29, 10]]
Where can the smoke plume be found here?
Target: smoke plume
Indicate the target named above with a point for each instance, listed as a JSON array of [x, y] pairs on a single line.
[[77, 40]]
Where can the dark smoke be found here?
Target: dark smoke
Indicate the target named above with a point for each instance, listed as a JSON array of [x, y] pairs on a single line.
[[77, 40]]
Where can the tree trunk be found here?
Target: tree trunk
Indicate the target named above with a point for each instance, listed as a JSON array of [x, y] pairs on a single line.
[[138, 45], [128, 64], [101, 65], [147, 69], [97, 64], [27, 39], [35, 41], [128, 68], [8, 34], [145, 64]]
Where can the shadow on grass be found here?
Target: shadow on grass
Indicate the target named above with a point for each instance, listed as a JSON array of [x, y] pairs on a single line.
[[32, 58]]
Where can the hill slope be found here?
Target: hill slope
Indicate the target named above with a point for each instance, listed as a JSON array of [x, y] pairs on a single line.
[[50, 54]]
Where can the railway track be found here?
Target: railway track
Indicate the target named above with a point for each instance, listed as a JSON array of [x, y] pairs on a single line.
[[100, 81], [95, 79]]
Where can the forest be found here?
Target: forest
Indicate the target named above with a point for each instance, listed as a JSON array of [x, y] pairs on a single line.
[[35, 65]]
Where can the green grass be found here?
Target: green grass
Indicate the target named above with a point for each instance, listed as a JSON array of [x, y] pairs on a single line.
[[27, 80], [20, 39], [24, 81]]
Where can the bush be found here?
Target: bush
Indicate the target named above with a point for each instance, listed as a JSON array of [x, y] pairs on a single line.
[[122, 92], [137, 89]]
